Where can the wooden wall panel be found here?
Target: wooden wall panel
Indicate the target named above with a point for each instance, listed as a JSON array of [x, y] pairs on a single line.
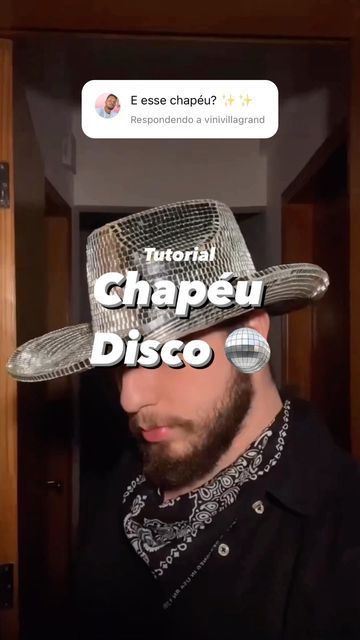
[[259, 18]]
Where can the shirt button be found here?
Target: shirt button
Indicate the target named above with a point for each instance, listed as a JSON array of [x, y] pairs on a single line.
[[223, 549], [258, 507]]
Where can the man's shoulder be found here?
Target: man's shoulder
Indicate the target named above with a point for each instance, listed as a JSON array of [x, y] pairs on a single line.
[[319, 440], [315, 474]]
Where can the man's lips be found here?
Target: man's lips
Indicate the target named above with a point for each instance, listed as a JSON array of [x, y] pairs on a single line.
[[156, 434]]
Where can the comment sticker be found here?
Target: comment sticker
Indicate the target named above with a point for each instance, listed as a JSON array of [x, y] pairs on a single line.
[[180, 109]]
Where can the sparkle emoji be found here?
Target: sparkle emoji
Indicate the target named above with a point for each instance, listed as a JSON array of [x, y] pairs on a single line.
[[228, 100], [245, 100]]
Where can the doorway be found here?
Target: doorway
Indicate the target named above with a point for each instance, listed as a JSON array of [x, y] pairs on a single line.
[[315, 228]]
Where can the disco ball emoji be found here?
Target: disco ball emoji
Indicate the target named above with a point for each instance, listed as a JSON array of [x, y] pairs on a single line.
[[247, 350]]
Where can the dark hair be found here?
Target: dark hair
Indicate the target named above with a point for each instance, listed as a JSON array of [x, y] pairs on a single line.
[[112, 95]]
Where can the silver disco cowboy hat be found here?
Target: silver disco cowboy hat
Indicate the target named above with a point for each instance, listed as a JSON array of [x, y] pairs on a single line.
[[120, 246]]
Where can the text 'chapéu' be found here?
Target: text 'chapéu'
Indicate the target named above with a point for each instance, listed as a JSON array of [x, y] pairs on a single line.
[[164, 294]]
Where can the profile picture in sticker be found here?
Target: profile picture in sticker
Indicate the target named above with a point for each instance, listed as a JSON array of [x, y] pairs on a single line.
[[107, 105]]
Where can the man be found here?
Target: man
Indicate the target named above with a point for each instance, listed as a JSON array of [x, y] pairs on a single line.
[[107, 111], [235, 514]]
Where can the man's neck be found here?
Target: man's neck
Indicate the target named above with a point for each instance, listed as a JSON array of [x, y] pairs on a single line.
[[260, 415]]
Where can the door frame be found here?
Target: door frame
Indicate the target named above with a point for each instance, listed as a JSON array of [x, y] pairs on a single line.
[[300, 214], [8, 390]]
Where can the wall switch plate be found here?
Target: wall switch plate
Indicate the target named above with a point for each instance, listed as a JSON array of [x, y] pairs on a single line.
[[68, 152]]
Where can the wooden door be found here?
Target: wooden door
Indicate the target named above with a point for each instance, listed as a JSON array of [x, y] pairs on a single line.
[[45, 421], [8, 390], [60, 424], [46, 437], [315, 228], [35, 436]]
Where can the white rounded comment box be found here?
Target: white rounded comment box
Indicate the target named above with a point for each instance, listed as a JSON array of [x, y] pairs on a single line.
[[180, 109]]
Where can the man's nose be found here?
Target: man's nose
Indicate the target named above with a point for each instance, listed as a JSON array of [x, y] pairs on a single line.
[[138, 388]]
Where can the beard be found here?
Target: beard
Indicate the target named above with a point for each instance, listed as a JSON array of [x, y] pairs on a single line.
[[207, 440]]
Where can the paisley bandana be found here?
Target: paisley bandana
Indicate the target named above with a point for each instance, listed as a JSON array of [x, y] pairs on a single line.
[[168, 534]]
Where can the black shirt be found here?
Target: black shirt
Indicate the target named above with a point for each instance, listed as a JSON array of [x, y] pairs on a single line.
[[175, 538], [287, 567]]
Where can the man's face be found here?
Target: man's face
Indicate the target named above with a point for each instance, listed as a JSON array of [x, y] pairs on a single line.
[[185, 419], [110, 103]]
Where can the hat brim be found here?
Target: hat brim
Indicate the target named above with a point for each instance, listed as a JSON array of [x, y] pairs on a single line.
[[66, 351]]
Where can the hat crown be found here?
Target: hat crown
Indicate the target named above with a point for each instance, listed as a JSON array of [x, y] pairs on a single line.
[[120, 246]]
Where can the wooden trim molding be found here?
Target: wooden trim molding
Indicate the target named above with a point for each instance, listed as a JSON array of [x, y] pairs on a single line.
[[354, 198], [8, 390]]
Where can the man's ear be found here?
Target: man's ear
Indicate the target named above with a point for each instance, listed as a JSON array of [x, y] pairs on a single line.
[[260, 321]]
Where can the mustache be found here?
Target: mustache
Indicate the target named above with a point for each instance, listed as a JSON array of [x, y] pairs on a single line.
[[138, 423]]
